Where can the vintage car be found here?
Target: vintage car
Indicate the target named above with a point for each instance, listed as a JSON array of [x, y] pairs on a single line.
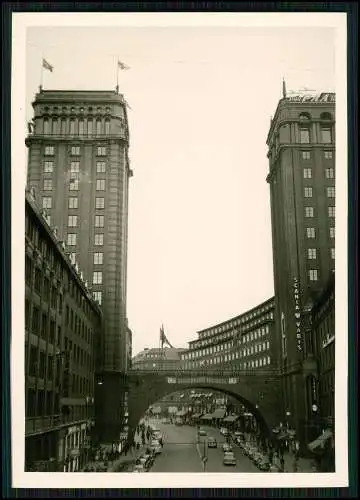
[[229, 458], [212, 443]]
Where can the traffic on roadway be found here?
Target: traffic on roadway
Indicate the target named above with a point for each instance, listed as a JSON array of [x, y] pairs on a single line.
[[189, 449]]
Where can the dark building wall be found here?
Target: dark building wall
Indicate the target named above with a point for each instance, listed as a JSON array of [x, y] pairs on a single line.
[[76, 124], [62, 326], [300, 174]]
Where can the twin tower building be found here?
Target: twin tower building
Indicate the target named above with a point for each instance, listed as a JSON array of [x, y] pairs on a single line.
[[79, 171]]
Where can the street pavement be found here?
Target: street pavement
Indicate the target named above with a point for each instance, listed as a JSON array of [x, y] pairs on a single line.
[[182, 454]]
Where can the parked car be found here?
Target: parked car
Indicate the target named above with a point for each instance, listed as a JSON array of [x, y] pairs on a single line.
[[139, 468], [145, 462], [229, 458], [264, 464], [202, 432], [212, 443], [226, 447], [224, 431], [156, 446], [257, 457]]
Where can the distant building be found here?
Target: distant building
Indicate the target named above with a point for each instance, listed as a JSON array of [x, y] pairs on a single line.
[[63, 329], [168, 358], [243, 342], [79, 168], [301, 152]]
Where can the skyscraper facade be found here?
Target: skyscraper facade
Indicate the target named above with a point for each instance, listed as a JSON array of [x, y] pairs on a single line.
[[301, 152], [78, 167]]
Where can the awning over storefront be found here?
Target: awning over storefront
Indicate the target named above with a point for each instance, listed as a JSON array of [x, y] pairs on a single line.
[[219, 413], [197, 415], [209, 416], [231, 418], [321, 440]]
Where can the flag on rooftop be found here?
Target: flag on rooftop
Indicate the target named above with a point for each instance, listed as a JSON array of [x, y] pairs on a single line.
[[122, 65], [47, 65], [163, 338]]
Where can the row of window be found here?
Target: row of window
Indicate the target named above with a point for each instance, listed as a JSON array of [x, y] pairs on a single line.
[[312, 253], [249, 337], [72, 239], [330, 191], [329, 173], [74, 109], [306, 155], [73, 184], [254, 363], [236, 322], [247, 351], [74, 167], [311, 233], [325, 135], [73, 202], [75, 150], [309, 211], [74, 219], [76, 127]]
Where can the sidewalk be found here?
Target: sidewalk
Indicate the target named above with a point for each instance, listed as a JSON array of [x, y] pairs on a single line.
[[126, 462], [303, 465]]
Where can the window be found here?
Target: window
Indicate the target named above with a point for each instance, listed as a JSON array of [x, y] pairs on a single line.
[[305, 155], [72, 127], [331, 211], [81, 127], [98, 296], [107, 127], [97, 278], [332, 232], [55, 127], [332, 252], [313, 274], [326, 135], [311, 253], [99, 239], [90, 127], [307, 173], [100, 167], [328, 155], [310, 232], [48, 167], [98, 127], [329, 173], [71, 239], [49, 151], [63, 127], [75, 150], [33, 361], [38, 280], [75, 166], [35, 320], [46, 127], [304, 136], [47, 185], [74, 185], [73, 202], [308, 192], [100, 185], [309, 211], [72, 220], [99, 203], [47, 202], [99, 221], [101, 151], [98, 257], [330, 192]]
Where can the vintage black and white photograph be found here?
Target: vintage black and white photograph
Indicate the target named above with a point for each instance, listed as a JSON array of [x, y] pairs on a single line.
[[179, 185]]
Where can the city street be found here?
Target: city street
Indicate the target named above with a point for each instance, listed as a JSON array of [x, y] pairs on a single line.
[[180, 453]]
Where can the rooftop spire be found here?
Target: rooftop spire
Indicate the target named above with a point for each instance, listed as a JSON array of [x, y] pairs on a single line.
[[284, 87]]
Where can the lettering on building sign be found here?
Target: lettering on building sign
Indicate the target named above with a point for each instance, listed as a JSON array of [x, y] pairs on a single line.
[[201, 380], [297, 315]]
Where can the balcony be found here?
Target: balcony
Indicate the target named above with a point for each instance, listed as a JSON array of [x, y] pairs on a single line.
[[39, 425]]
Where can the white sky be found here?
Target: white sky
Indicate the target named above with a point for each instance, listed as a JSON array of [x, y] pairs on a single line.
[[199, 222]]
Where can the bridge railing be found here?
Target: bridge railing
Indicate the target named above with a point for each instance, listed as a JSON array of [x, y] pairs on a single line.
[[208, 372]]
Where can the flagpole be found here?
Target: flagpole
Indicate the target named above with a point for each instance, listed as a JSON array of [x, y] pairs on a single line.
[[41, 73], [117, 76]]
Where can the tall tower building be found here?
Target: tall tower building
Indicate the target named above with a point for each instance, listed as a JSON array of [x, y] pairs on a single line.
[[79, 168], [301, 152]]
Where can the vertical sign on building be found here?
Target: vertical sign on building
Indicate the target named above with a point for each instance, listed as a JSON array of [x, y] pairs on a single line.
[[297, 315]]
